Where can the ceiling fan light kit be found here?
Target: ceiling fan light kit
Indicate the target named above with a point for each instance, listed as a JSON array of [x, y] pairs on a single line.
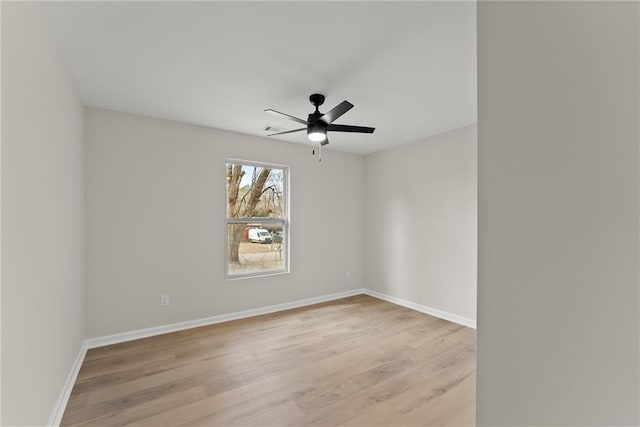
[[317, 132], [318, 124]]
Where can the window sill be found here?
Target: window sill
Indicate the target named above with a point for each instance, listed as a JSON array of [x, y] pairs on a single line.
[[256, 275]]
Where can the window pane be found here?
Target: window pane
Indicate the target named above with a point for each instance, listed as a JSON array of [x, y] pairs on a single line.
[[256, 219], [260, 248], [255, 191]]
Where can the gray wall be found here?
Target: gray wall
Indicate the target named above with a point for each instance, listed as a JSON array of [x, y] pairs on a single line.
[[421, 233], [155, 222], [42, 226], [558, 280]]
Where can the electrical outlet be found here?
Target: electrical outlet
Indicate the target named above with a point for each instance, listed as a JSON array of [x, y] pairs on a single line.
[[164, 300], [347, 274]]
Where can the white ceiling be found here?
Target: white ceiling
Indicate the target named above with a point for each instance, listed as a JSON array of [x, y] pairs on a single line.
[[409, 68]]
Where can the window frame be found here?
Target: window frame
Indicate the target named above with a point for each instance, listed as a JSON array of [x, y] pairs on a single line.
[[284, 221]]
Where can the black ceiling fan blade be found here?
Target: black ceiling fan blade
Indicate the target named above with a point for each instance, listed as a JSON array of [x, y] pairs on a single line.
[[295, 119], [287, 131], [349, 128], [339, 110]]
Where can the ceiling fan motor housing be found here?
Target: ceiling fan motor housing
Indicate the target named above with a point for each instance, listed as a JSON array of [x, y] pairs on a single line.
[[315, 124]]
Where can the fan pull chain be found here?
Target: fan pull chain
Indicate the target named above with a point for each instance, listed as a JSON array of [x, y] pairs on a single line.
[[317, 147]]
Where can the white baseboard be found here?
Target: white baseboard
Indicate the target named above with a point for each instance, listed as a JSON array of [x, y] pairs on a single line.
[[465, 321], [158, 330], [174, 327], [58, 410]]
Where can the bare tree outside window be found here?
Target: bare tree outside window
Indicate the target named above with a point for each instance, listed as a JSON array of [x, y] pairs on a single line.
[[256, 219]]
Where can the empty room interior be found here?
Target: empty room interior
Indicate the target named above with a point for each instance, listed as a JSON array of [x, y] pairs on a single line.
[[329, 213]]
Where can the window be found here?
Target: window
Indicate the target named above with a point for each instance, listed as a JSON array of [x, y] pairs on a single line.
[[257, 219]]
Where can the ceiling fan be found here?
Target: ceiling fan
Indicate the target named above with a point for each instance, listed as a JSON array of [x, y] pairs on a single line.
[[318, 124]]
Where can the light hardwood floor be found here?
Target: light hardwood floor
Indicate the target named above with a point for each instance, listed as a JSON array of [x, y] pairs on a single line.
[[354, 361]]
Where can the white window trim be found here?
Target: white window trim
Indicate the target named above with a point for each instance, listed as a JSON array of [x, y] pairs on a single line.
[[285, 221]]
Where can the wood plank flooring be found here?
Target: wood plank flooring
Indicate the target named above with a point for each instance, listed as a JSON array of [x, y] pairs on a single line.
[[354, 361]]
